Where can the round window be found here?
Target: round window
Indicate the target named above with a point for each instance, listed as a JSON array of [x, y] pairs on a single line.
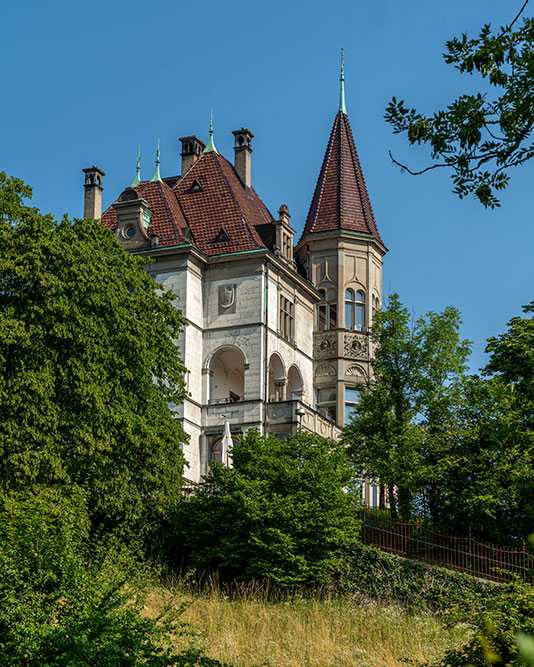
[[129, 232]]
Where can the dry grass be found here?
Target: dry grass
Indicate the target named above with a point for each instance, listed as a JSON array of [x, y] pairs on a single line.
[[250, 629]]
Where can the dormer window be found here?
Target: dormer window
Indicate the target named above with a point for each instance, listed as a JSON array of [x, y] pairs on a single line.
[[195, 187], [222, 236]]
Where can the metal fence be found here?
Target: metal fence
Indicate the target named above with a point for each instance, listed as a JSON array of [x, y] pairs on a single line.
[[415, 540]]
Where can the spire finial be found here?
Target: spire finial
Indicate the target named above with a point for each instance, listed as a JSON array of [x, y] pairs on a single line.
[[342, 106], [210, 148], [137, 178], [156, 176]]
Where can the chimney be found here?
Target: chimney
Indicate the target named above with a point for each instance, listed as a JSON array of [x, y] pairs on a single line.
[[284, 235], [243, 152], [192, 148], [92, 206]]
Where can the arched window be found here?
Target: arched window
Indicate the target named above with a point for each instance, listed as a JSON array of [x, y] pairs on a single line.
[[227, 371], [327, 310], [354, 310], [295, 385]]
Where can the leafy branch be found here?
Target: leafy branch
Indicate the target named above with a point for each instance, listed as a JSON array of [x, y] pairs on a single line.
[[479, 136]]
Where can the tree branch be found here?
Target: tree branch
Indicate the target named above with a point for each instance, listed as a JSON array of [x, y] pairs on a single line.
[[519, 14], [415, 173]]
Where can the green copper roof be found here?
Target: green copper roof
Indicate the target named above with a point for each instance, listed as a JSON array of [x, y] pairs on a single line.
[[137, 178], [156, 176], [342, 106], [210, 148]]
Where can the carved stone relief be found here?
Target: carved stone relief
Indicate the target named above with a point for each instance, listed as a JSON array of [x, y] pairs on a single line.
[[356, 373], [325, 370], [226, 299], [324, 345], [356, 346]]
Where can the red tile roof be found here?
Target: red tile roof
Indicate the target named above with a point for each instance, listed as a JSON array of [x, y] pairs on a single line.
[[340, 200], [197, 216], [221, 203], [167, 220]]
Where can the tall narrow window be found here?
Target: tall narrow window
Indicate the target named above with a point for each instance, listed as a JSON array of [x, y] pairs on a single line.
[[327, 310], [352, 397], [321, 311], [286, 318], [350, 305], [360, 311], [354, 310], [326, 402]]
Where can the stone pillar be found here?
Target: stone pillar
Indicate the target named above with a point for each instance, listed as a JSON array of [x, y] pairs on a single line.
[[94, 177]]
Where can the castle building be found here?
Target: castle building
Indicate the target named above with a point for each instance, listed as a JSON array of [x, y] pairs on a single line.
[[277, 332]]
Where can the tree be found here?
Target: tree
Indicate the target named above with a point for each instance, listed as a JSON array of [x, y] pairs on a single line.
[[480, 136], [280, 512], [399, 425], [66, 602], [483, 473], [88, 366]]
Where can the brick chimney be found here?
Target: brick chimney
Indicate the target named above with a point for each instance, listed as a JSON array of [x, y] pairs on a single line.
[[243, 153], [192, 148], [92, 206]]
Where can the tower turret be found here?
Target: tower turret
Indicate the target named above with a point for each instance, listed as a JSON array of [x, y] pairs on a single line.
[[343, 251]]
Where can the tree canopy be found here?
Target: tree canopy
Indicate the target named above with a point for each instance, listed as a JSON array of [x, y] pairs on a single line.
[[88, 365], [480, 136], [280, 512], [399, 423], [454, 448]]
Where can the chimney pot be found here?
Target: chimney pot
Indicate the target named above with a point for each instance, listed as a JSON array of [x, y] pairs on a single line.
[[243, 152], [94, 177], [192, 148]]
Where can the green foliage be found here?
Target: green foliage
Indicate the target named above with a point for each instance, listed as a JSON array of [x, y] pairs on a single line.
[[483, 477], [372, 574], [87, 366], [280, 512], [501, 631], [63, 605], [481, 135], [399, 426]]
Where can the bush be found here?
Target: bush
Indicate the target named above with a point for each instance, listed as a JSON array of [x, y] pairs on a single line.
[[372, 574], [63, 607], [280, 512], [501, 628]]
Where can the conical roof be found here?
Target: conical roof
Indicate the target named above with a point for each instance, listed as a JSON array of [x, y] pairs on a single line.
[[340, 200]]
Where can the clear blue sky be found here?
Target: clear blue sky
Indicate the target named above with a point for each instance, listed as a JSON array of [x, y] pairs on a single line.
[[85, 82]]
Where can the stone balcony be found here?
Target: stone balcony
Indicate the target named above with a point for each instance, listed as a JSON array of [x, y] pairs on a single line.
[[282, 417], [244, 414]]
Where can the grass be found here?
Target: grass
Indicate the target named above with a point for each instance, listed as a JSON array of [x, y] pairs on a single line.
[[253, 628]]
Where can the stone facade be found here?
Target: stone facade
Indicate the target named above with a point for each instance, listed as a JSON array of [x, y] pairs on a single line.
[[276, 336]]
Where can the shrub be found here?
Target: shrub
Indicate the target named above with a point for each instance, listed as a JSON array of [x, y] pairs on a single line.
[[280, 512], [63, 607]]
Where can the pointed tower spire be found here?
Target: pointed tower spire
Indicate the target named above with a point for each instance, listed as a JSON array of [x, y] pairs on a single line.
[[342, 106], [210, 148], [137, 178], [341, 201], [156, 176]]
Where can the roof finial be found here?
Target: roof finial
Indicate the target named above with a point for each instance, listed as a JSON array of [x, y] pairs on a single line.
[[342, 106], [210, 148], [156, 176], [137, 178]]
